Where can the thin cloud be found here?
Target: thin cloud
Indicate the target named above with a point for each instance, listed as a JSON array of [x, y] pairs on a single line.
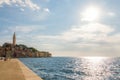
[[46, 10], [22, 3], [22, 9], [111, 14], [94, 39], [87, 32], [32, 5], [25, 29]]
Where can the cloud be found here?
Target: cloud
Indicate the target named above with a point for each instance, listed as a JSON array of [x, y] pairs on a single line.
[[36, 12], [111, 14], [46, 37], [22, 3], [88, 32], [22, 9], [32, 5], [22, 29], [93, 39], [46, 10]]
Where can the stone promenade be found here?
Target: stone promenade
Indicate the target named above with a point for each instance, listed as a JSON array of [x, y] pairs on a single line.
[[15, 70]]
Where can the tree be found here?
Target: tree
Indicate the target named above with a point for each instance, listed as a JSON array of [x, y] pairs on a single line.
[[33, 49]]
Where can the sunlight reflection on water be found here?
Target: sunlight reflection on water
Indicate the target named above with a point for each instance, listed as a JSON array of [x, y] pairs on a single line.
[[95, 68]]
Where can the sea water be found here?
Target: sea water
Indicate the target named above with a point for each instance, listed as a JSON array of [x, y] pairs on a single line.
[[71, 68]]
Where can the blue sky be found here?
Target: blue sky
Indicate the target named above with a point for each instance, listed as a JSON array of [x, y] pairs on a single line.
[[63, 27]]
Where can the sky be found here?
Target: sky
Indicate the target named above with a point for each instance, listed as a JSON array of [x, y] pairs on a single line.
[[63, 27]]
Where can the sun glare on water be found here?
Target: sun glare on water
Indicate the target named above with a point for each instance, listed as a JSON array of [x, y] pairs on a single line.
[[94, 59], [90, 14]]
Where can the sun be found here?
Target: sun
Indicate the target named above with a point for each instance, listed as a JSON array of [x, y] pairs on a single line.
[[91, 13]]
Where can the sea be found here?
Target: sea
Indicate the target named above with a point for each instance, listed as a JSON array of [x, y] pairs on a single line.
[[75, 68]]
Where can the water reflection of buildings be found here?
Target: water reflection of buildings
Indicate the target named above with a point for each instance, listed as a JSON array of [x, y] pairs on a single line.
[[14, 50]]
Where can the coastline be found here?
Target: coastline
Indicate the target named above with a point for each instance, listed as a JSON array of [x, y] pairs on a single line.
[[14, 69]]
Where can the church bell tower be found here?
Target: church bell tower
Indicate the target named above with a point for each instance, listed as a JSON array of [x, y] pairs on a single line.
[[14, 39]]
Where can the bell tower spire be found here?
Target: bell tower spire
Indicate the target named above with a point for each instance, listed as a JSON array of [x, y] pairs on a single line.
[[14, 39]]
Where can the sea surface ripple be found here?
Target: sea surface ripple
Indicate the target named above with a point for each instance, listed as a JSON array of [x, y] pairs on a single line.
[[71, 68]]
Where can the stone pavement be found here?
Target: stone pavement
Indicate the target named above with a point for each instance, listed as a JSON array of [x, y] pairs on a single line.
[[14, 69]]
